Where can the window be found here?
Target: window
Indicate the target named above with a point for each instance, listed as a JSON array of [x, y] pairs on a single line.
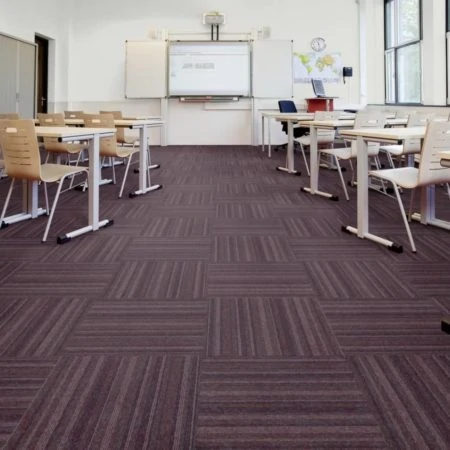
[[403, 51]]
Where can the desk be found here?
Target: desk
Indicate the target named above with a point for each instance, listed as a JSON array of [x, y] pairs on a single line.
[[314, 104], [278, 116], [381, 135], [143, 127], [30, 195], [314, 125]]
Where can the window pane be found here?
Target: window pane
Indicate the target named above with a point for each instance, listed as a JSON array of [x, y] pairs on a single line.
[[390, 76], [408, 21], [409, 74], [390, 24]]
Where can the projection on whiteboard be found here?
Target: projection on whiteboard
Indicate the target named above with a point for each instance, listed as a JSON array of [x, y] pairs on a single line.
[[209, 68]]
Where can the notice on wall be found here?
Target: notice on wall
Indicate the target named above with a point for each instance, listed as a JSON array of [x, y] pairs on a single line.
[[322, 65]]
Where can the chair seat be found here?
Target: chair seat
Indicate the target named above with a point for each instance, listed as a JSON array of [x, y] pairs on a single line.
[[340, 152], [124, 152], [54, 172], [406, 177], [399, 149]]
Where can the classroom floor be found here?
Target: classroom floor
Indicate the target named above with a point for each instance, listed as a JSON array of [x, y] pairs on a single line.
[[227, 310]]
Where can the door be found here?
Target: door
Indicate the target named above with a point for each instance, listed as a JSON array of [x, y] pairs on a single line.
[[42, 74]]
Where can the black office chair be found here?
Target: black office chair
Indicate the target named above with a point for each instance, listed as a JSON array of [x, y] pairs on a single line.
[[288, 106]]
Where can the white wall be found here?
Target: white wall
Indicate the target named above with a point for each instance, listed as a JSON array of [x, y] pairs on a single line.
[[49, 18], [101, 28]]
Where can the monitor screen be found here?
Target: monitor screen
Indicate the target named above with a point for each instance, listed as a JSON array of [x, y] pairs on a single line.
[[318, 88]]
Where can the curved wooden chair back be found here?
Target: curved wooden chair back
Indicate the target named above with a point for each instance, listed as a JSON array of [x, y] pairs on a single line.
[[21, 149], [9, 116], [374, 119], [53, 120], [108, 145], [120, 132], [73, 114]]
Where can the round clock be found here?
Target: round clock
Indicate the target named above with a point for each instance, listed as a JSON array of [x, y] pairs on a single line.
[[318, 44]]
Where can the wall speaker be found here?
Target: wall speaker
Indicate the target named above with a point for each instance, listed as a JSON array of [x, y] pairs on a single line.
[[347, 71]]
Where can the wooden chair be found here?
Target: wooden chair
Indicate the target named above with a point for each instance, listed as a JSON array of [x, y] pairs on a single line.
[[73, 114], [429, 172], [52, 146], [122, 139], [108, 146], [9, 116], [23, 162]]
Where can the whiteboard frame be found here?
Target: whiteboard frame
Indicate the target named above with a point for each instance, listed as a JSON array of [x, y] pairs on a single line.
[[210, 97]]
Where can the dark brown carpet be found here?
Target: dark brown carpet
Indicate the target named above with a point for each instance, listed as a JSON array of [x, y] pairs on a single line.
[[225, 311]]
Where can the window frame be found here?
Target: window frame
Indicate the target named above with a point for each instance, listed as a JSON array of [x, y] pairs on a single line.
[[391, 51]]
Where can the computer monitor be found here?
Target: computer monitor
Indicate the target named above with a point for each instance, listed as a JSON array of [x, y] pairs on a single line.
[[318, 88]]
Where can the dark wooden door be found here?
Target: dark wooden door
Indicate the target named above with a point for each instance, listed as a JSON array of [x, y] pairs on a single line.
[[42, 74]]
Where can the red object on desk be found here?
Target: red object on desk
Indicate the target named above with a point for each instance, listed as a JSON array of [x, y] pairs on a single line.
[[319, 104]]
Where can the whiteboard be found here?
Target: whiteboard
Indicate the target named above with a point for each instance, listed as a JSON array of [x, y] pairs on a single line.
[[145, 69], [208, 68], [273, 75]]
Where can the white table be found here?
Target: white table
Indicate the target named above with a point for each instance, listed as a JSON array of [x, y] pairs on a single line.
[[382, 135], [143, 126], [267, 116], [314, 125], [30, 197]]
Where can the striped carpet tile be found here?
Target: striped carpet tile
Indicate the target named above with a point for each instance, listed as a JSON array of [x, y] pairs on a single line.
[[379, 325], [243, 211], [177, 227], [305, 227], [109, 402], [167, 249], [37, 327], [20, 382], [432, 281], [62, 279], [188, 198], [169, 326], [358, 279], [412, 397], [270, 279], [258, 227], [268, 327], [158, 280], [243, 249], [282, 404]]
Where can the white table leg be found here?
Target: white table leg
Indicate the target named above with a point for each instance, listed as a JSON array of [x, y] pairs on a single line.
[[290, 152]]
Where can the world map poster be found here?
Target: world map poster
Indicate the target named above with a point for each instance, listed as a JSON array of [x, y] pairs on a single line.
[[325, 66]]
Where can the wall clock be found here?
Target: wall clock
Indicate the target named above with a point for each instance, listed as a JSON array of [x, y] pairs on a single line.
[[318, 44]]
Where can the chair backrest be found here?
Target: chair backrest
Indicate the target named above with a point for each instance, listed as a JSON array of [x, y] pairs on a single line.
[[437, 138], [287, 106], [416, 119], [20, 149], [368, 119], [108, 145], [52, 120], [120, 133], [10, 116], [326, 136], [73, 114]]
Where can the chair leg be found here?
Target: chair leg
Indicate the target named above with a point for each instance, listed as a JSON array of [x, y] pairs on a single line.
[[125, 175], [304, 159], [55, 202], [46, 198], [405, 219], [341, 177], [411, 201], [8, 197]]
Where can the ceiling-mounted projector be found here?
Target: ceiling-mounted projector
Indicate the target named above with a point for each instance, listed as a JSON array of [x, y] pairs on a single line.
[[213, 18]]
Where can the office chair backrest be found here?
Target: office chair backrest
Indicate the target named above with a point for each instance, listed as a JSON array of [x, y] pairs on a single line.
[[20, 149], [437, 138], [287, 106]]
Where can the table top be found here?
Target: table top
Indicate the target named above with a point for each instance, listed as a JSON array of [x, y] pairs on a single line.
[[386, 134], [138, 123], [71, 132]]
